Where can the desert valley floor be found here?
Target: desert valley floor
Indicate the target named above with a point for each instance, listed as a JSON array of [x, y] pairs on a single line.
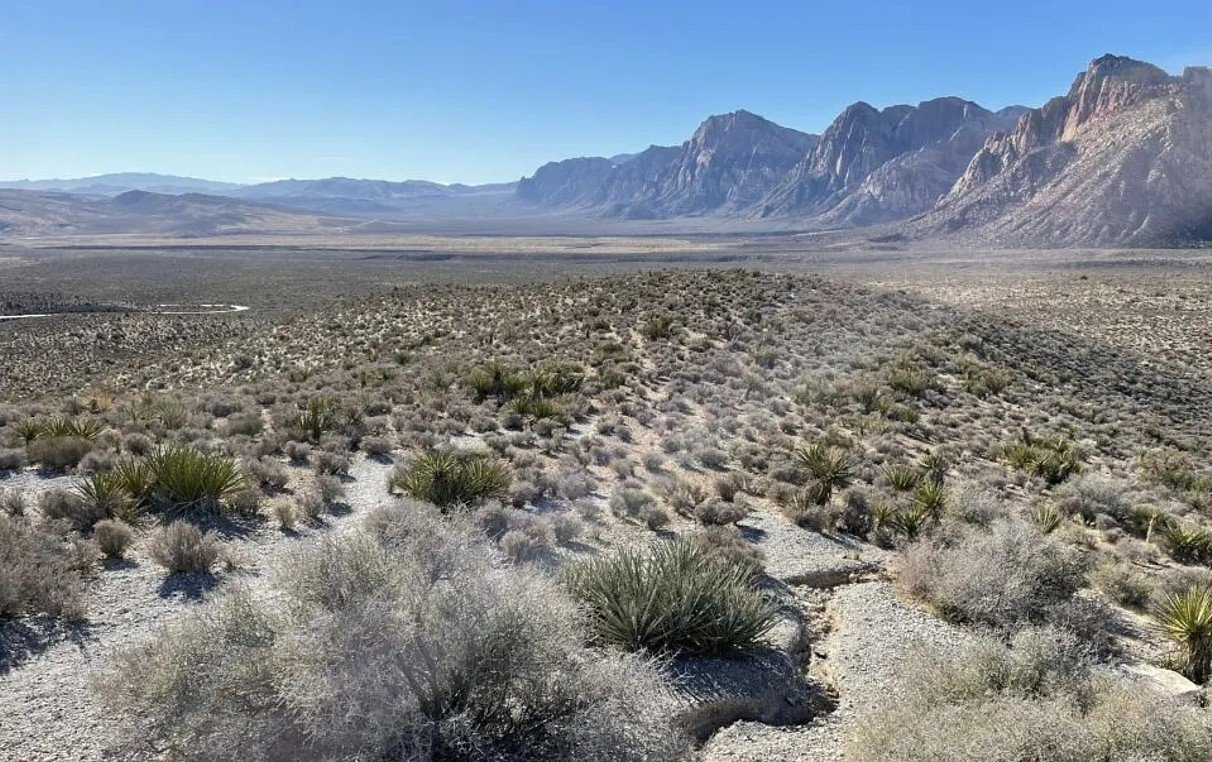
[[921, 462]]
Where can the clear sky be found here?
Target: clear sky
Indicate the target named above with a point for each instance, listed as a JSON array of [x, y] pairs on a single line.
[[486, 91]]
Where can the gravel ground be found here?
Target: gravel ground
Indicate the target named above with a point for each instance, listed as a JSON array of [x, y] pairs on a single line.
[[873, 636], [47, 711]]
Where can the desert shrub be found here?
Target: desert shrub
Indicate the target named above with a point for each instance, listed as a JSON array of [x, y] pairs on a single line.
[[1034, 699], [527, 543], [41, 571], [629, 502], [1186, 619], [61, 505], [401, 641], [186, 479], [327, 462], [113, 537], [268, 474], [182, 547], [298, 452], [308, 505], [717, 512], [675, 597], [566, 527], [246, 503], [331, 489], [13, 502], [249, 425], [11, 459], [654, 517], [58, 452], [711, 457], [284, 512], [1122, 584], [1091, 495], [448, 479], [727, 544], [1011, 576], [376, 446]]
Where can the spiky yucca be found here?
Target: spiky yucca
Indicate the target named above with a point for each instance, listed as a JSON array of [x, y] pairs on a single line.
[[677, 597], [447, 479], [1186, 618], [831, 469], [185, 479]]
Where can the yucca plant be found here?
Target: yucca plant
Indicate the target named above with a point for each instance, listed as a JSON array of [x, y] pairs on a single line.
[[931, 497], [1189, 544], [75, 428], [911, 520], [28, 429], [1054, 459], [1047, 517], [1186, 618], [903, 478], [186, 479], [319, 416], [104, 495], [135, 478], [677, 597], [447, 479], [832, 469]]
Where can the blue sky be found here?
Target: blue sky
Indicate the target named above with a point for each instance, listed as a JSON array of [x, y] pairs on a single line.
[[486, 91]]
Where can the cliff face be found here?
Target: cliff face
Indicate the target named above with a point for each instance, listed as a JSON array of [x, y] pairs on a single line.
[[873, 166], [1124, 158]]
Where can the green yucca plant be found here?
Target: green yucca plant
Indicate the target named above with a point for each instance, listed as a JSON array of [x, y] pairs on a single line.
[[931, 497], [911, 520], [319, 416], [903, 478], [447, 479], [28, 429], [832, 469], [104, 495], [76, 428], [1189, 544], [186, 479], [677, 597], [135, 478], [1047, 517], [1052, 458], [1186, 618]]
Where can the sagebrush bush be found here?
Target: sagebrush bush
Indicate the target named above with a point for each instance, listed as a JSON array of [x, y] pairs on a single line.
[[1034, 699], [448, 479], [678, 596], [181, 547], [41, 570], [1007, 577], [403, 640], [113, 537]]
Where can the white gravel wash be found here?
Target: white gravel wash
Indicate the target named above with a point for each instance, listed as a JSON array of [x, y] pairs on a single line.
[[47, 710], [873, 637]]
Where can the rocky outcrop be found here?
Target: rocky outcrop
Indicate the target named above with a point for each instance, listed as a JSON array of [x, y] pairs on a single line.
[[874, 165], [1124, 158], [731, 162]]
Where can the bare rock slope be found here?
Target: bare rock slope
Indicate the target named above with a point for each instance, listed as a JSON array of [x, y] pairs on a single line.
[[1125, 158]]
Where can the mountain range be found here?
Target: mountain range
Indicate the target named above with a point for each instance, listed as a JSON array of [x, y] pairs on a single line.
[[1123, 158]]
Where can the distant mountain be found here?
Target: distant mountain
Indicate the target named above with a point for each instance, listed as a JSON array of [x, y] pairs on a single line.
[[1124, 158], [874, 165], [114, 184], [730, 162], [37, 213], [343, 195], [870, 166]]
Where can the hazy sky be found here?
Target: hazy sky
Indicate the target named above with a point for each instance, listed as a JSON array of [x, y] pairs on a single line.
[[486, 91]]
